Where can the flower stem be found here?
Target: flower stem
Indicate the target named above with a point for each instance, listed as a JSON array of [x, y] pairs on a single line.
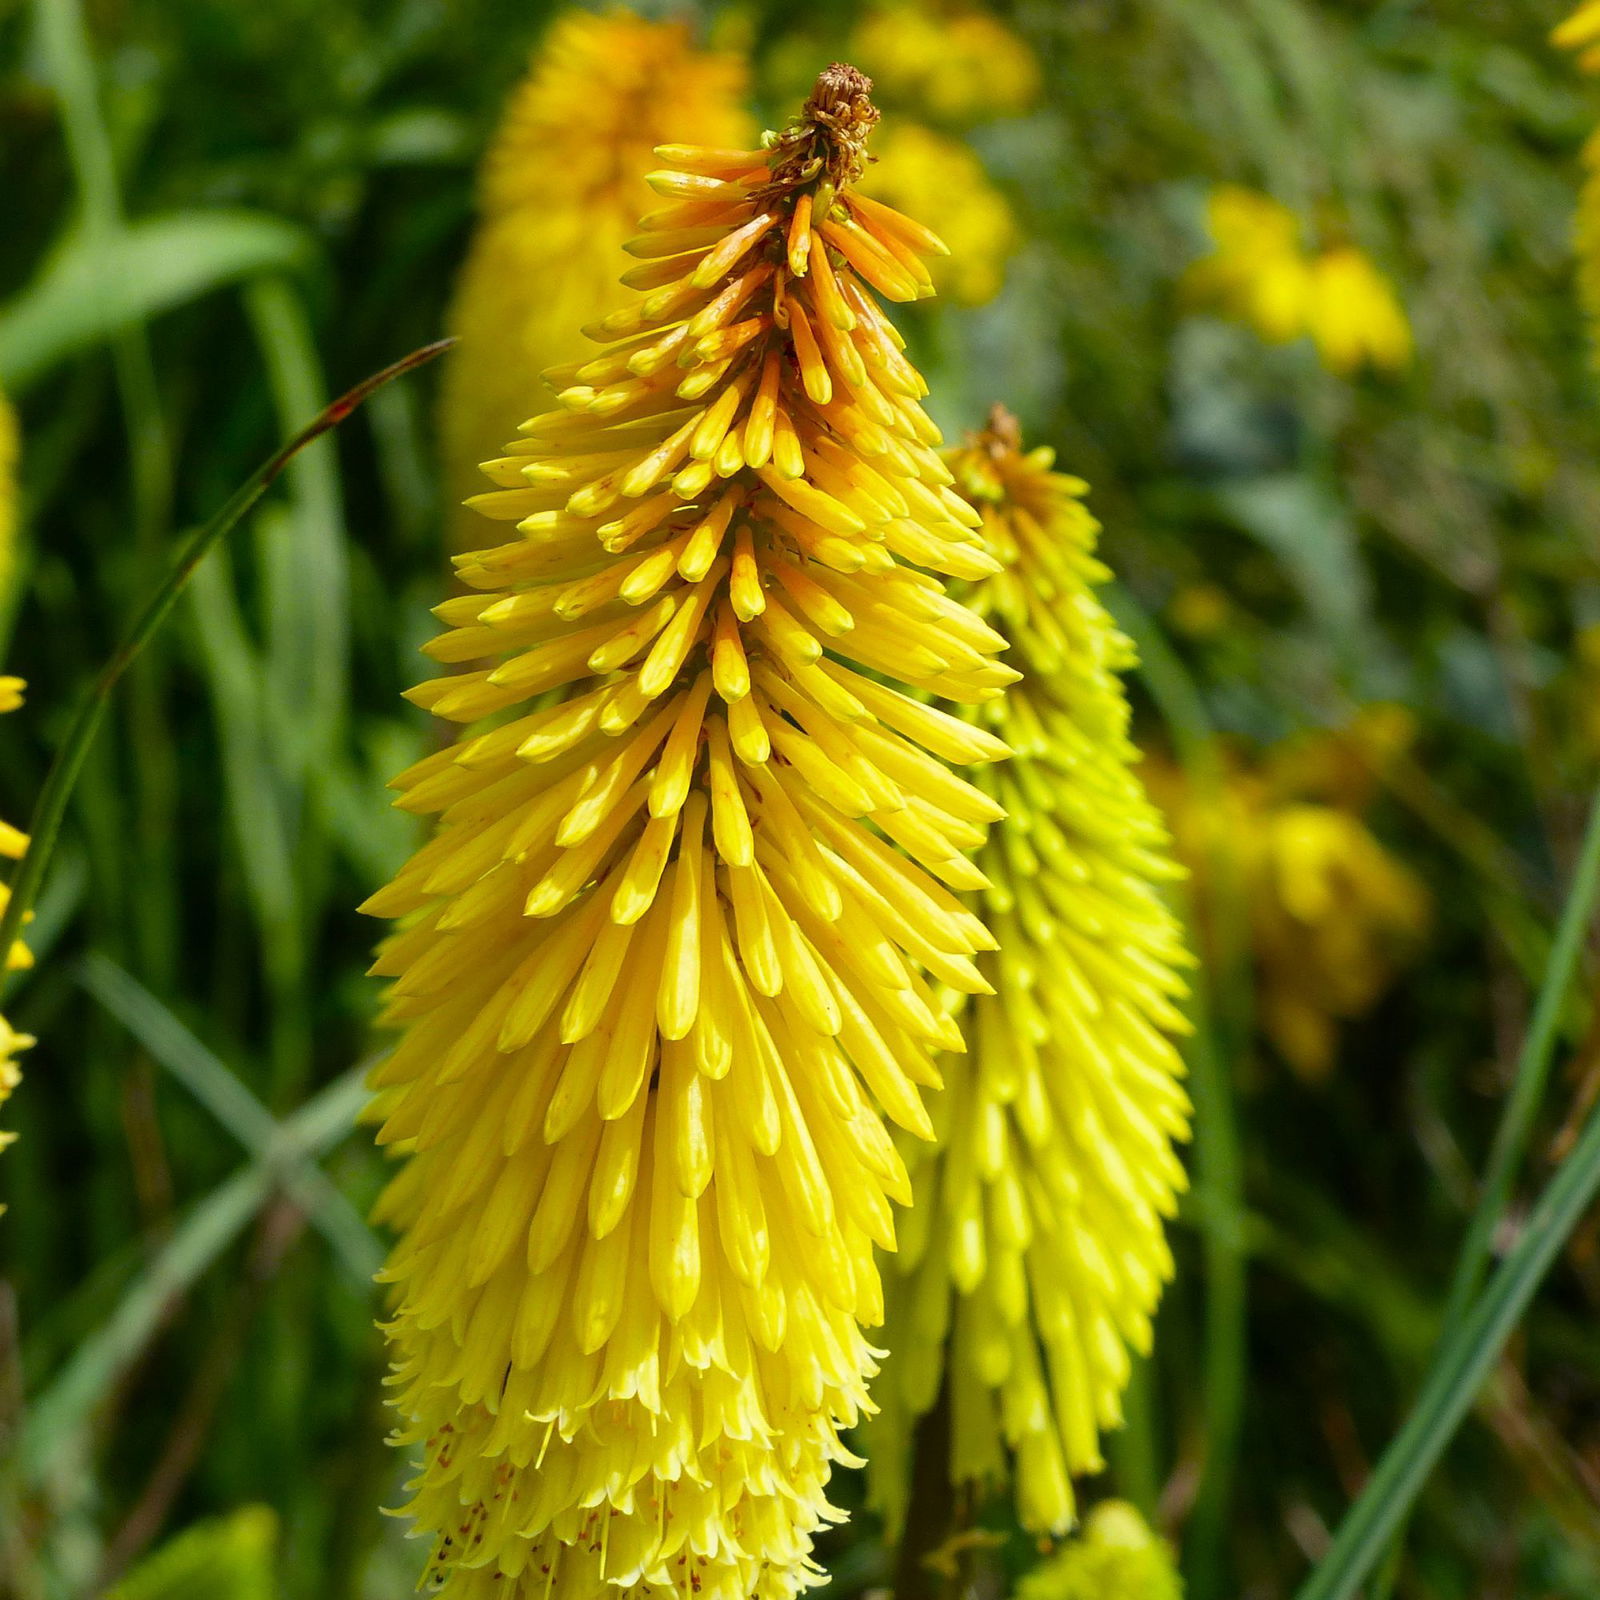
[[1220, 1008], [44, 827]]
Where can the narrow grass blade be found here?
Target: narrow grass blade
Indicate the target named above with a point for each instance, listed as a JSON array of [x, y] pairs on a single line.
[[1521, 1109], [1463, 1363], [1532, 1074], [54, 1430], [92, 290], [45, 825], [221, 1092]]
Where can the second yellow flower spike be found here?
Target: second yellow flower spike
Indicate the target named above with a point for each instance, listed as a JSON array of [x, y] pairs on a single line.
[[1035, 1255]]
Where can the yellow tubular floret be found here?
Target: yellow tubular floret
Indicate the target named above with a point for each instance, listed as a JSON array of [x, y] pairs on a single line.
[[1034, 1258], [670, 956]]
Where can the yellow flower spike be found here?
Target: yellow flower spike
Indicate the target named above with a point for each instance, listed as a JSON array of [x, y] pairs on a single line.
[[668, 958], [1116, 1557], [1035, 1256], [560, 189]]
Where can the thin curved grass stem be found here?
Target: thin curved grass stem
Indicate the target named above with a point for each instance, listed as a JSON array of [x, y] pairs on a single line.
[[44, 827]]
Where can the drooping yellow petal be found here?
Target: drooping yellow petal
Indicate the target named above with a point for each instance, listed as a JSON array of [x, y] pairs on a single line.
[[925, 173], [1033, 1261], [661, 976]]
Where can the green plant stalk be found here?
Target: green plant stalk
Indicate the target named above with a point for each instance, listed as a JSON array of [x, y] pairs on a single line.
[[1218, 1161], [65, 45], [1134, 1460], [1459, 1370], [44, 827]]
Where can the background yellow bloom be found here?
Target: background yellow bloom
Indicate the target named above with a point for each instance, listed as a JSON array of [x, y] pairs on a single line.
[[954, 64], [1260, 273], [560, 188]]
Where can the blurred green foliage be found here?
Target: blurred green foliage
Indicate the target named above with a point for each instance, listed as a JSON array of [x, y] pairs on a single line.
[[216, 215]]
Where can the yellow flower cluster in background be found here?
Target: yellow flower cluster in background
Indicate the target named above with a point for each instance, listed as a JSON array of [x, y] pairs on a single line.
[[13, 844], [955, 65], [1260, 273], [1116, 1557], [947, 69], [1035, 1255], [1581, 32], [560, 190], [674, 953], [1333, 916]]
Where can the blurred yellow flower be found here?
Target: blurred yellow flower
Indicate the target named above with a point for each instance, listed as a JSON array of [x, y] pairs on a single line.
[[925, 173], [1333, 915], [667, 965], [1258, 272], [1261, 274], [559, 191], [1034, 1256], [952, 65], [1116, 1557], [1581, 32], [1353, 314], [13, 844], [232, 1557]]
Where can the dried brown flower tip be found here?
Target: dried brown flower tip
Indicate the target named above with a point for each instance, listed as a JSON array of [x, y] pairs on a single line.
[[829, 137]]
